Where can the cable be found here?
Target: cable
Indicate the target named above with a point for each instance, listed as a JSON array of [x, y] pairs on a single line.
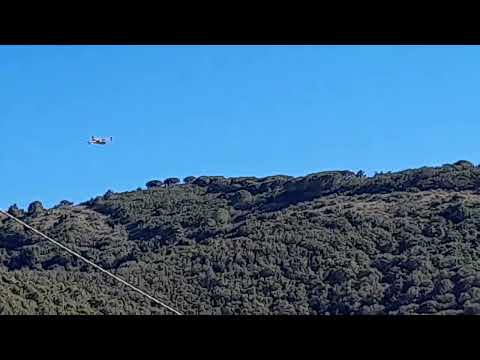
[[92, 264]]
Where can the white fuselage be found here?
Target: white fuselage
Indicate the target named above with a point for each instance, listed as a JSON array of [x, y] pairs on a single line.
[[99, 141]]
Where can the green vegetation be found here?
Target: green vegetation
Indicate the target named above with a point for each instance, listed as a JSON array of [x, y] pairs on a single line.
[[328, 243]]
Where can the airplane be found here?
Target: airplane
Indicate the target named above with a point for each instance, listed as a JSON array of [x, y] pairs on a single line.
[[100, 141]]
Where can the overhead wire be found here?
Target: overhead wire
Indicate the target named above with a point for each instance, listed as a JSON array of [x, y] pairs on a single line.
[[161, 303]]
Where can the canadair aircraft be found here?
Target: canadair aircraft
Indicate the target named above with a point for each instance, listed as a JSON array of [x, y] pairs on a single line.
[[100, 141]]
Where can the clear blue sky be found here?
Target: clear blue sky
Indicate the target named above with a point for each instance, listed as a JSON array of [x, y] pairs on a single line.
[[227, 110]]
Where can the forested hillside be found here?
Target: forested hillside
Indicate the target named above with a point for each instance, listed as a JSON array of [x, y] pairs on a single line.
[[333, 242]]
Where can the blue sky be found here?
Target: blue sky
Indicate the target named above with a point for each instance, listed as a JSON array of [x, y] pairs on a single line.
[[227, 110]]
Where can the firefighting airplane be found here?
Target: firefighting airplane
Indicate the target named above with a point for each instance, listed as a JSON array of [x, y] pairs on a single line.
[[100, 141]]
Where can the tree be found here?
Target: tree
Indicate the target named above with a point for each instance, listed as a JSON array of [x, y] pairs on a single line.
[[202, 181], [108, 194], [242, 199], [35, 208], [463, 165], [471, 309], [189, 179], [171, 181], [63, 203], [222, 217], [154, 183], [15, 211]]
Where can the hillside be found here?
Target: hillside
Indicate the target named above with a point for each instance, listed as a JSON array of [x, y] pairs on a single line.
[[327, 243]]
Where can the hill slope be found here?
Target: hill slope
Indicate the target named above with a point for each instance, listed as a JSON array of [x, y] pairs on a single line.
[[326, 243]]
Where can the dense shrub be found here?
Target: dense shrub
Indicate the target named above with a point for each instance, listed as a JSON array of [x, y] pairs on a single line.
[[326, 243]]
